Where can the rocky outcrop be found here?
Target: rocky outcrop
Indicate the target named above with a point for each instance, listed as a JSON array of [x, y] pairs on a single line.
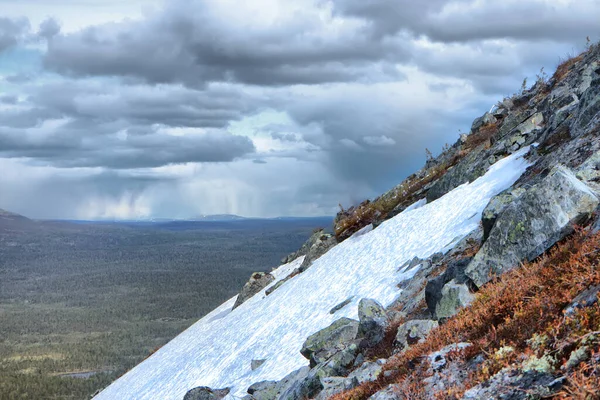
[[258, 281], [496, 206], [532, 223], [317, 237], [412, 332], [321, 245], [373, 322], [206, 393], [323, 344]]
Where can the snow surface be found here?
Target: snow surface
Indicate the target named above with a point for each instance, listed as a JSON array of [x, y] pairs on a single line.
[[217, 350]]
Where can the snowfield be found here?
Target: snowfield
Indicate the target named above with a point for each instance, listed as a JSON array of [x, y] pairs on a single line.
[[217, 350]]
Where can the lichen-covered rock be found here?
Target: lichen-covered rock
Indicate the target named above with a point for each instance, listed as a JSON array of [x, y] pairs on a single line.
[[265, 390], [496, 206], [321, 345], [412, 332], [322, 244], [516, 385], [333, 385], [433, 290], [589, 171], [206, 393], [532, 223], [304, 249], [485, 119], [257, 282], [454, 296], [256, 364], [587, 298], [390, 392], [367, 372], [438, 359], [373, 322]]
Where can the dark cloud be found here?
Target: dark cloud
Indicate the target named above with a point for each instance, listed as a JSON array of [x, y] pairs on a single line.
[[12, 31], [49, 28], [188, 43]]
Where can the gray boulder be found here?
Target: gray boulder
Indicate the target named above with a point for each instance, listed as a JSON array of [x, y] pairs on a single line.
[[322, 244], [391, 392], [585, 299], [305, 247], [206, 393], [496, 206], [412, 332], [531, 224], [373, 322], [292, 386], [258, 281], [367, 372], [265, 390], [516, 385], [334, 385], [341, 305], [255, 364], [321, 345], [454, 296]]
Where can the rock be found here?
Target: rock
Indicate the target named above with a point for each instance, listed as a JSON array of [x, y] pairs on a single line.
[[206, 393], [265, 390], [438, 360], [391, 392], [516, 385], [433, 290], [294, 385], [373, 322], [321, 246], [585, 299], [258, 281], [321, 345], [334, 385], [341, 305], [589, 171], [532, 223], [454, 296], [485, 119], [278, 284], [305, 247], [367, 372], [255, 364], [496, 206], [412, 332]]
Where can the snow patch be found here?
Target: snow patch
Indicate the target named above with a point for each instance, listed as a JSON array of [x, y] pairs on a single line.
[[218, 349]]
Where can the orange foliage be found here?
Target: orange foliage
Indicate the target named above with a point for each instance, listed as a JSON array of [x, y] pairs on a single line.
[[508, 312]]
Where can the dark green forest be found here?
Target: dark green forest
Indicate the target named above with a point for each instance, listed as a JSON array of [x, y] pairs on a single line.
[[80, 304]]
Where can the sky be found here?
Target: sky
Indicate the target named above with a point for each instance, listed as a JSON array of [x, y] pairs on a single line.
[[174, 109]]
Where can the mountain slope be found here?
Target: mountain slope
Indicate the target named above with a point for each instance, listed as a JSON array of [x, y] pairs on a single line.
[[218, 350]]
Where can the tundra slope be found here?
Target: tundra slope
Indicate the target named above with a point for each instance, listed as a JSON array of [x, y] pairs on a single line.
[[217, 351]]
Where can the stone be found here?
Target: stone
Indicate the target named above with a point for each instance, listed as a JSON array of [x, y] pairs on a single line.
[[433, 290], [296, 385], [412, 332], [585, 299], [341, 305], [316, 235], [516, 385], [485, 119], [258, 281], [323, 344], [255, 364], [334, 385], [322, 245], [454, 296], [265, 390], [367, 372], [206, 393], [543, 215], [391, 392], [373, 322], [496, 206], [438, 360], [589, 171]]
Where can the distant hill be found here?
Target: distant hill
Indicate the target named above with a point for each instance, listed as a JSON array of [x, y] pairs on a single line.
[[10, 221]]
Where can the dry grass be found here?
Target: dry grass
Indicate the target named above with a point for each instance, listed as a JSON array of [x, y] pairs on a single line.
[[565, 66], [508, 312]]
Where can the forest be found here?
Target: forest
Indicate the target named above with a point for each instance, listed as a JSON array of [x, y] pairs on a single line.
[[80, 304]]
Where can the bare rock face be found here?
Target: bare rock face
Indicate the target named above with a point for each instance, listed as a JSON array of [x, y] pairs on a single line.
[[532, 223], [258, 281], [206, 393]]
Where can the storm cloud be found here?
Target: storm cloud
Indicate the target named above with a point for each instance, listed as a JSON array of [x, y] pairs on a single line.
[[259, 108]]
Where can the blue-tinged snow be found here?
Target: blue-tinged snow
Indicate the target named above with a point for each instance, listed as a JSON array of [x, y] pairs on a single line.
[[217, 350]]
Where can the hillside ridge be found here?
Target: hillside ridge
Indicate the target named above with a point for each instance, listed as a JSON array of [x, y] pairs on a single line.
[[476, 278]]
